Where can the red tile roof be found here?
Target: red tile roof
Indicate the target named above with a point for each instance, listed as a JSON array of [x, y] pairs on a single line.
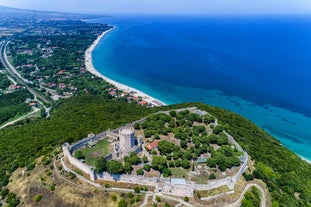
[[143, 102], [152, 145]]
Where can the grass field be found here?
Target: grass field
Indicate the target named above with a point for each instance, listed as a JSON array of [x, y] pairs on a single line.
[[100, 149], [200, 179], [179, 172]]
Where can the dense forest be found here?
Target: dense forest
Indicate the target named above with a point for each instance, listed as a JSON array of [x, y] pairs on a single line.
[[283, 171], [13, 104], [4, 82]]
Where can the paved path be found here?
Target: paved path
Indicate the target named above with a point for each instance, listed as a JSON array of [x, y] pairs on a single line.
[[146, 199], [262, 195]]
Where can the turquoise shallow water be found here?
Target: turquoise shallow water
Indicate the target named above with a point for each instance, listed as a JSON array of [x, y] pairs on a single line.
[[255, 66]]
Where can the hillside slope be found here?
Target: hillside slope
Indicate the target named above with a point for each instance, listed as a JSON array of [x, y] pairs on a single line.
[[287, 176]]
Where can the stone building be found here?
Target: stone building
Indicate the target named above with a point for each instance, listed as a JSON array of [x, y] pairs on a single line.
[[127, 139]]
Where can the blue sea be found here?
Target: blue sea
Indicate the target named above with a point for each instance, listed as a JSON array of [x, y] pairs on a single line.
[[256, 66]]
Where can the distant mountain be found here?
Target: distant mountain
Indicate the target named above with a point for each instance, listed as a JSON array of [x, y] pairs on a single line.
[[48, 14]]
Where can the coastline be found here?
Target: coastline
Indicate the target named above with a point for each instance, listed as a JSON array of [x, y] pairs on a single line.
[[133, 91], [155, 102], [305, 159]]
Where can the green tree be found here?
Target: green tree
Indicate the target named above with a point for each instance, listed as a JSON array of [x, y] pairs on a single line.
[[212, 176], [134, 159], [114, 167], [158, 163], [100, 165], [127, 167], [114, 197], [218, 129], [147, 167], [213, 139], [185, 164], [171, 163], [140, 171], [122, 203], [178, 163], [137, 126], [165, 146], [136, 189], [173, 113], [145, 159], [167, 172], [79, 155], [4, 192], [130, 195], [211, 162], [12, 200], [38, 197], [137, 198]]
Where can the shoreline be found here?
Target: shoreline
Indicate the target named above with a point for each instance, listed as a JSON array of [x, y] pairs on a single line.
[[155, 102], [133, 91], [305, 159]]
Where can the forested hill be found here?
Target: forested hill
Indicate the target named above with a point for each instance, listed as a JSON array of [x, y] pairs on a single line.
[[283, 171]]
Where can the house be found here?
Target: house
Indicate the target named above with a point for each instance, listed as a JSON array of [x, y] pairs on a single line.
[[152, 145], [53, 85], [14, 87], [61, 72], [62, 85], [112, 93], [33, 104], [143, 102]]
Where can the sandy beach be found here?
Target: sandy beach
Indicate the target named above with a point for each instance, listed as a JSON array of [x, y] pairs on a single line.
[[134, 92]]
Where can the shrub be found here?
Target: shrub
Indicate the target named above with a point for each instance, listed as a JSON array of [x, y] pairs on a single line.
[[137, 189], [140, 171], [137, 198], [38, 197], [122, 203], [30, 167], [114, 197], [248, 177], [218, 129], [158, 198], [212, 176], [4, 192], [130, 195], [52, 187]]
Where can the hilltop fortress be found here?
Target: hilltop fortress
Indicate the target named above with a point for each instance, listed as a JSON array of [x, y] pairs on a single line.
[[123, 143]]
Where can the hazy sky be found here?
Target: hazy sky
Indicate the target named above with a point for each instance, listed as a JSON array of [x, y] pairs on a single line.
[[166, 6]]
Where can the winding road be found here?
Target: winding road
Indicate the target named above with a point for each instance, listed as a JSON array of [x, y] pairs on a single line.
[[20, 80], [21, 118], [13, 72], [262, 195]]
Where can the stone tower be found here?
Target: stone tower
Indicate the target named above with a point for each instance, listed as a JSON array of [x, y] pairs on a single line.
[[127, 139]]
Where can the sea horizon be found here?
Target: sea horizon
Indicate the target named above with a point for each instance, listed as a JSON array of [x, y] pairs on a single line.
[[278, 116]]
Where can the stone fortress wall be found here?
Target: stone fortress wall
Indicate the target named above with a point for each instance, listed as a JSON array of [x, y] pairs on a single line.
[[165, 185]]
